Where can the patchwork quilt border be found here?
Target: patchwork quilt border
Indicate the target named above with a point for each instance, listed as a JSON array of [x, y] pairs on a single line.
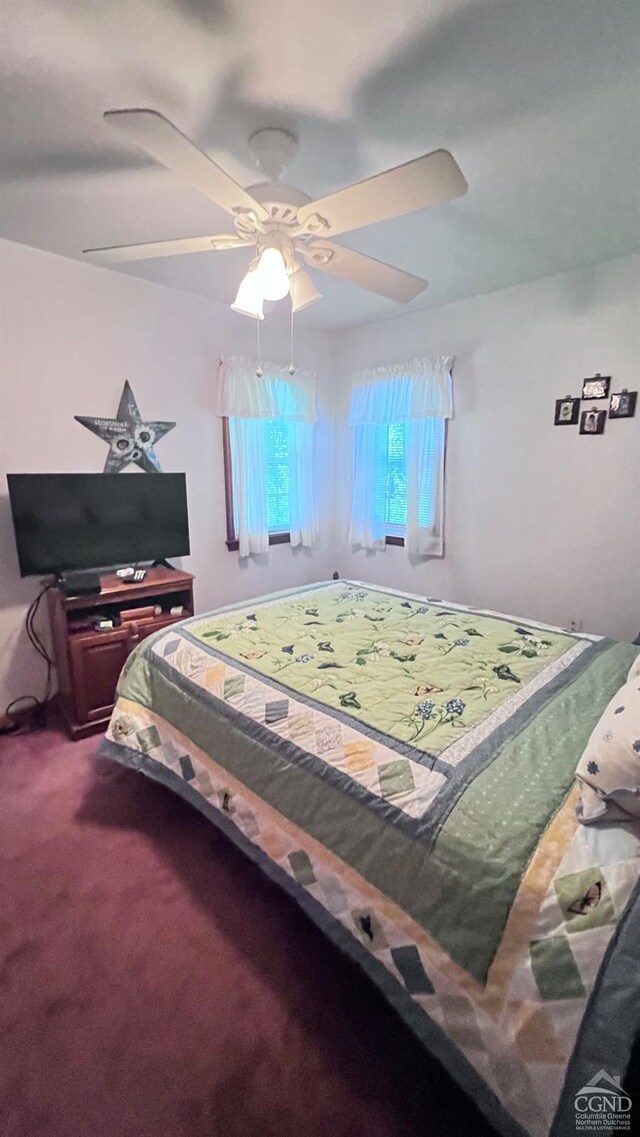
[[422, 1026], [412, 827], [457, 778], [612, 1034]]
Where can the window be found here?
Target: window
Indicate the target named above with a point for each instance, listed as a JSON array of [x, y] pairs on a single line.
[[268, 428], [390, 496], [398, 428], [276, 442]]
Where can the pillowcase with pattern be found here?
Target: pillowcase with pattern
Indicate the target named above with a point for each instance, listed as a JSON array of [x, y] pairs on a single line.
[[609, 771]]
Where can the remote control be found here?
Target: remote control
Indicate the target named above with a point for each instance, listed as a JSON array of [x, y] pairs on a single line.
[[134, 576]]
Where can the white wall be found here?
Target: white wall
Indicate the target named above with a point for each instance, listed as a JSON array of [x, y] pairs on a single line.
[[540, 520], [70, 334]]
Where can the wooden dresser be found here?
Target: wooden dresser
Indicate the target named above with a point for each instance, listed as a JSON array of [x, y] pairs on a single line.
[[89, 662]]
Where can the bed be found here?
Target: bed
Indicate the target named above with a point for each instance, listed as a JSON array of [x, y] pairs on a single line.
[[404, 768]]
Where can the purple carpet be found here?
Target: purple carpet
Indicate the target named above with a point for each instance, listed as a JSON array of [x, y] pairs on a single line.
[[154, 984]]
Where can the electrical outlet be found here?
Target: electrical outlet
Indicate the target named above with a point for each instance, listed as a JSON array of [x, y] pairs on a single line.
[[574, 626]]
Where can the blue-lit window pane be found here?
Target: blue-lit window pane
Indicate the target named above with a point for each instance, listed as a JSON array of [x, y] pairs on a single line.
[[390, 503], [278, 473], [390, 499], [277, 446]]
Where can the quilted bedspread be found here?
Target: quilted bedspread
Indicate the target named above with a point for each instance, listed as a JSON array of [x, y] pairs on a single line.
[[405, 768]]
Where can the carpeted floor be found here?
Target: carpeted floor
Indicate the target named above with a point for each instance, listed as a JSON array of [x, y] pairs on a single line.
[[154, 984]]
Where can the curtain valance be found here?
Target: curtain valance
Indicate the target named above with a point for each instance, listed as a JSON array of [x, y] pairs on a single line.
[[275, 394], [403, 392]]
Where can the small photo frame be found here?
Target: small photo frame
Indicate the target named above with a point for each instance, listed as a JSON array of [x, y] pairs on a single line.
[[596, 388], [623, 404], [567, 411], [592, 422]]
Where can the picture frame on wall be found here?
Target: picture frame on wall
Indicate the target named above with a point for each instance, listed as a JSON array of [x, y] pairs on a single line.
[[597, 387], [567, 411], [623, 404], [592, 421]]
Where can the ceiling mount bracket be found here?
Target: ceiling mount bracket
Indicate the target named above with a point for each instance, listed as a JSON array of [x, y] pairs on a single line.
[[273, 150]]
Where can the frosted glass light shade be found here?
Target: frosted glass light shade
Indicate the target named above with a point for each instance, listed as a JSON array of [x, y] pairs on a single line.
[[249, 299], [274, 279]]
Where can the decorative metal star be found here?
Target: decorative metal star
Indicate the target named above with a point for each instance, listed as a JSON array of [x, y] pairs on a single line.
[[130, 439]]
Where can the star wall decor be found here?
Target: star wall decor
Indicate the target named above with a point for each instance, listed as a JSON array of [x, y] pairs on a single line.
[[130, 438]]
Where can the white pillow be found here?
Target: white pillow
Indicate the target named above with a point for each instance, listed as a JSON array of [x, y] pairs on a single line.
[[609, 771]]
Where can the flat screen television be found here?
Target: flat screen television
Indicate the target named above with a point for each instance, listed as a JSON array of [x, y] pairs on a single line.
[[64, 522]]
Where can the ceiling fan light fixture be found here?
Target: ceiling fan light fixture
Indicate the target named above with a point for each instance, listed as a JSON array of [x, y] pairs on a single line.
[[273, 275], [303, 289], [249, 299]]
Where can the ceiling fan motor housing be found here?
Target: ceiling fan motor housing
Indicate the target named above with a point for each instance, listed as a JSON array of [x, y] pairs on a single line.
[[282, 205]]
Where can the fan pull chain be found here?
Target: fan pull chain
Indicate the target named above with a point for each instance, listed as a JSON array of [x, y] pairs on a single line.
[[292, 369], [259, 369]]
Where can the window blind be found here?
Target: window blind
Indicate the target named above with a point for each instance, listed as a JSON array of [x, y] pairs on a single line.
[[276, 447], [390, 497], [277, 453]]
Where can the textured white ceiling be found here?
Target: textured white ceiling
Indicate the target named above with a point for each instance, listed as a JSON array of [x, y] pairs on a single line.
[[537, 99]]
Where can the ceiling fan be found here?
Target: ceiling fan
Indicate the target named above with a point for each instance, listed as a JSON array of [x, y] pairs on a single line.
[[285, 228]]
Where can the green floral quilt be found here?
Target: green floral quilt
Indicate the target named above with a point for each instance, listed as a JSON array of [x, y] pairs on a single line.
[[419, 672]]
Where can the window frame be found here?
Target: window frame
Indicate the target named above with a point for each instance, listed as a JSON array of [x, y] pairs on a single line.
[[232, 542]]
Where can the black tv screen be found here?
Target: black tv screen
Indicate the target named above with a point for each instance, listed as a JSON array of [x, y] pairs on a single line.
[[79, 521]]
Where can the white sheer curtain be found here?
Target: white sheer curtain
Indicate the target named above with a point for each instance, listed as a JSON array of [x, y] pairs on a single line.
[[249, 485], [247, 400], [366, 530], [417, 394], [424, 451], [303, 529]]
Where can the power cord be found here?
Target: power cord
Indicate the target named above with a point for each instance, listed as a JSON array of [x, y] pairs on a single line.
[[37, 707]]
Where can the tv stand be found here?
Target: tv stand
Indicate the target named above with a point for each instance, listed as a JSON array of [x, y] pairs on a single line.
[[89, 661], [164, 564]]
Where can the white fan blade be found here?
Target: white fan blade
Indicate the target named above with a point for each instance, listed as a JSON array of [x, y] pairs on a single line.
[[357, 268], [115, 254], [153, 133], [303, 291], [425, 181]]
